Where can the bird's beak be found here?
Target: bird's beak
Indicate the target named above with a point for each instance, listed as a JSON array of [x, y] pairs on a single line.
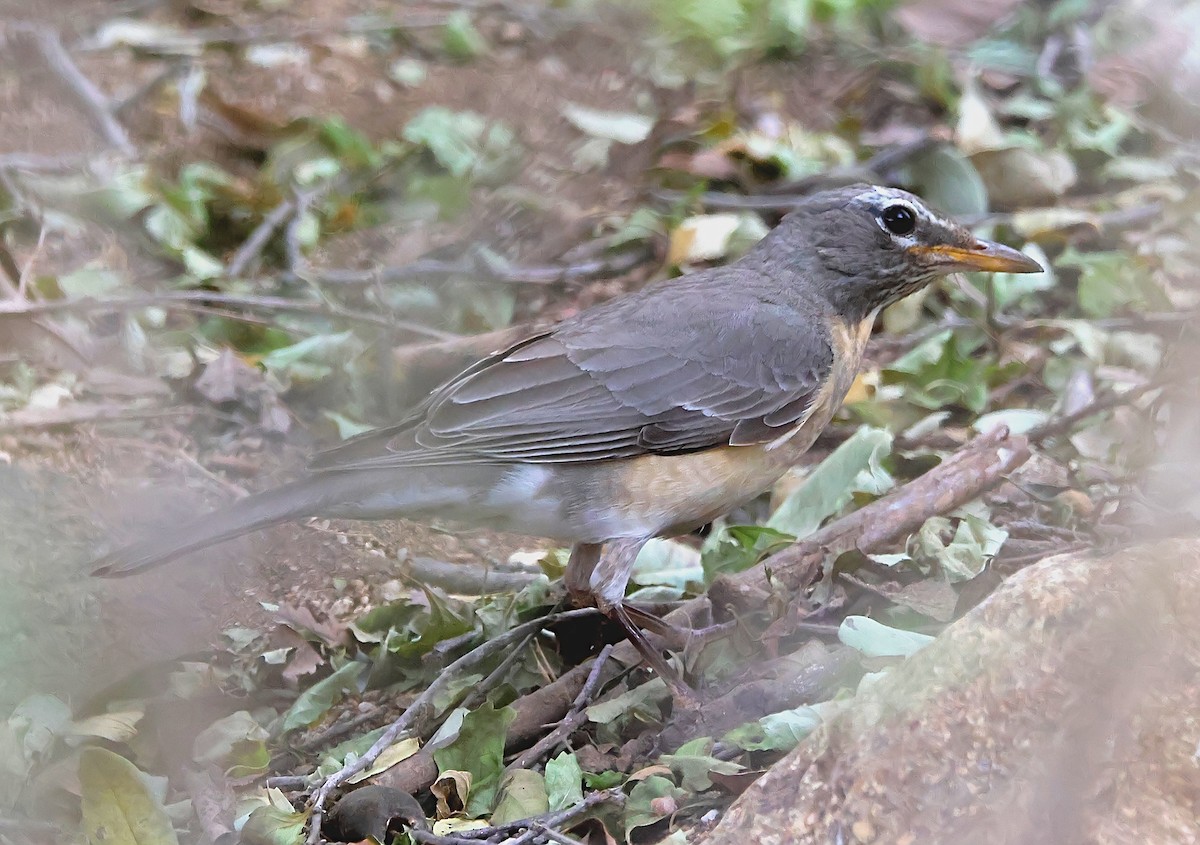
[[984, 256]]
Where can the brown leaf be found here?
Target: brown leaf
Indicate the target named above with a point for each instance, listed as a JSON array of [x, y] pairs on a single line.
[[228, 379]]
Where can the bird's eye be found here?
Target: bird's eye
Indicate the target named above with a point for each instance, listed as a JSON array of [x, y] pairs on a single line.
[[899, 219]]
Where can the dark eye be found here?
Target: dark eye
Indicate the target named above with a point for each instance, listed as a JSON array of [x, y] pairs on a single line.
[[899, 219]]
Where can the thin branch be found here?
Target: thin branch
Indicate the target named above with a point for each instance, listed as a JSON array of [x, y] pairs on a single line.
[[259, 238], [200, 38], [570, 722], [93, 100], [534, 827], [1062, 425], [192, 298], [536, 274]]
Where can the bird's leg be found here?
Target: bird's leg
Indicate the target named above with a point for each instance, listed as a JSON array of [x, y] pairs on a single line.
[[602, 575]]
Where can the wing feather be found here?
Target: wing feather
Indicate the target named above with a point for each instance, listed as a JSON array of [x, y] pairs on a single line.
[[638, 376]]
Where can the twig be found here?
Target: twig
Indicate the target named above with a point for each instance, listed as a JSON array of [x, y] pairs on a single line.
[[81, 415], [417, 716], [258, 239], [535, 274], [570, 722], [1061, 425], [555, 836], [93, 100], [287, 782], [465, 578], [192, 298], [479, 691], [37, 162], [193, 40], [530, 825]]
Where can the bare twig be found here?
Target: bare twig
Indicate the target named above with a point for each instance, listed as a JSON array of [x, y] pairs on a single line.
[[203, 297], [199, 38], [36, 162], [418, 715], [258, 239], [616, 264], [1061, 425], [533, 827], [570, 722], [93, 100], [83, 414], [465, 578]]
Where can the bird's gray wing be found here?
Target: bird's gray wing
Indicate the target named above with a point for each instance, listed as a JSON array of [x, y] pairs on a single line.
[[641, 376]]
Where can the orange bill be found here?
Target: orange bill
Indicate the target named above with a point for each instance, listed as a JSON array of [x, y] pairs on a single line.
[[984, 256]]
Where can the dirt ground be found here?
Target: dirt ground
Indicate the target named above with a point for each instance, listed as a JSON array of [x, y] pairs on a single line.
[[70, 492]]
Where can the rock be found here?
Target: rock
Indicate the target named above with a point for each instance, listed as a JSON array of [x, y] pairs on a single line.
[[1059, 710]]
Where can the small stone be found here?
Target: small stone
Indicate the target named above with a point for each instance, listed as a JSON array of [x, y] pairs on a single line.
[[863, 831]]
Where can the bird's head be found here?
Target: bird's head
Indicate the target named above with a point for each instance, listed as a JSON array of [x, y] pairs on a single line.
[[874, 246]]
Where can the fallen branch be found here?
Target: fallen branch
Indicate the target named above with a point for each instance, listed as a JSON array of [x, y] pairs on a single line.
[[571, 722], [94, 102]]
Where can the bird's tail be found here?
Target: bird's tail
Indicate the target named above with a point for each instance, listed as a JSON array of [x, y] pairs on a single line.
[[307, 497]]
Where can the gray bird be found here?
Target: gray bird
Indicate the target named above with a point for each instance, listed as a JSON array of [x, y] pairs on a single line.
[[646, 416]]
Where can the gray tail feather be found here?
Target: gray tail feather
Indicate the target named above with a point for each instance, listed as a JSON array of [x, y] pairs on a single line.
[[297, 500]]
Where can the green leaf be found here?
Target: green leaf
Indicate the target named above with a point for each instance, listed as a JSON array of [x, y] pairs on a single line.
[[564, 780], [90, 282], [942, 371], [410, 630], [641, 702], [1112, 281], [463, 142], [522, 796], [274, 826], [479, 749], [460, 39], [875, 639], [652, 799], [668, 562], [117, 805], [975, 542], [38, 721], [735, 548], [855, 466], [315, 701], [694, 764], [227, 737], [785, 730]]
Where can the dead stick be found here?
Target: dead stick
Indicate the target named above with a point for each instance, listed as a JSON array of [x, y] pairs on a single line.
[[574, 718], [257, 241], [93, 100], [192, 298]]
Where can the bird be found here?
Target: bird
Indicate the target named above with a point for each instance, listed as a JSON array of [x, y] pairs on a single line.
[[649, 415]]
